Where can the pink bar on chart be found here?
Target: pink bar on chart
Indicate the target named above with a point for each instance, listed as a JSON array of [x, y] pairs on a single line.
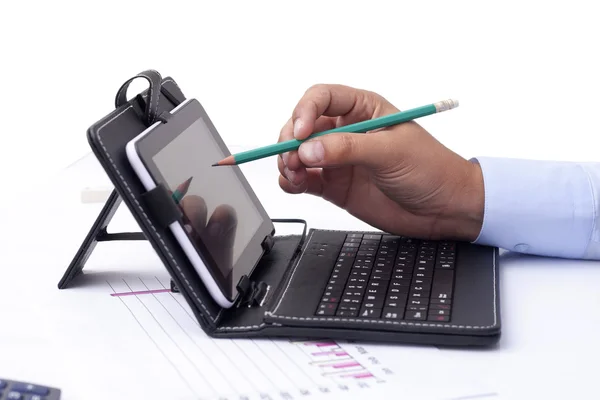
[[347, 365], [325, 344], [141, 292], [330, 353], [359, 376]]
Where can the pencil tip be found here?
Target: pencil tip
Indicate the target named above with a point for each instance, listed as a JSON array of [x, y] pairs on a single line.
[[215, 164]]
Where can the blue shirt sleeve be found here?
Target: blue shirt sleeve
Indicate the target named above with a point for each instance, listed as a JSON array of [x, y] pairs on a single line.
[[546, 208]]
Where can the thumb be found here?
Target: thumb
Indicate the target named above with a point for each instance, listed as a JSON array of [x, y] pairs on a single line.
[[341, 149]]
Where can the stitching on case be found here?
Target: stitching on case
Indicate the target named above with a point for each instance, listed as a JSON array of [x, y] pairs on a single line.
[[158, 95], [213, 319], [234, 328], [383, 322]]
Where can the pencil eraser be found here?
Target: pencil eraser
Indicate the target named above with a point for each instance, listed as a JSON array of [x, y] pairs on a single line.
[[95, 194]]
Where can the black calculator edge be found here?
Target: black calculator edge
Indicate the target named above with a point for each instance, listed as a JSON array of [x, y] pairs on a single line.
[[53, 392]]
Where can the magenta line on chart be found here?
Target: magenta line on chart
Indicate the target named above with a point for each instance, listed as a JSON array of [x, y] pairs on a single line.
[[141, 292]]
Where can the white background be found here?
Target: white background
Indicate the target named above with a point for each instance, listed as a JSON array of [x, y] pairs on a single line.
[[526, 73]]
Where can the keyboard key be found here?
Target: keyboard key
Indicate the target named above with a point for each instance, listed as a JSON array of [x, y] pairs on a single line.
[[419, 288], [365, 253], [382, 270], [373, 303], [12, 395], [347, 244], [354, 235], [381, 277], [347, 313], [327, 309], [417, 308], [422, 281], [2, 384], [368, 248], [441, 301], [356, 286], [441, 292], [372, 237], [415, 315], [370, 313], [377, 284], [438, 318], [348, 307], [440, 307], [357, 279], [354, 293], [353, 240], [392, 313], [395, 304], [368, 242], [330, 299], [376, 291], [439, 312], [398, 290], [423, 274], [418, 302]]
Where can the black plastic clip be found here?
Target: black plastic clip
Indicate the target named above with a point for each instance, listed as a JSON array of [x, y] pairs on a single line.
[[268, 243], [162, 206], [252, 293]]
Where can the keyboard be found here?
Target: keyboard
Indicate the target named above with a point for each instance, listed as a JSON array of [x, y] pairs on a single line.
[[16, 390], [392, 278]]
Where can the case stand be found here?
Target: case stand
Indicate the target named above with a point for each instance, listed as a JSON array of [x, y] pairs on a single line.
[[98, 232]]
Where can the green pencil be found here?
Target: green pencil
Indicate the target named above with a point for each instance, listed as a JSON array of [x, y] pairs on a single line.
[[359, 127]]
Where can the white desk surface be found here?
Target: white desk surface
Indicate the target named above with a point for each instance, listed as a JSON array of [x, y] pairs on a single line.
[[550, 308]]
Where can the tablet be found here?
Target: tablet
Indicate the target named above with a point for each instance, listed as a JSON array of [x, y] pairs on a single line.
[[224, 224]]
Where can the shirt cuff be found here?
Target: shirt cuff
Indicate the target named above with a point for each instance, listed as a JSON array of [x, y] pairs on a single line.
[[537, 207]]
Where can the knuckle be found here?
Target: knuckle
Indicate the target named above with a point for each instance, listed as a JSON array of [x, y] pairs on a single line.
[[346, 146]]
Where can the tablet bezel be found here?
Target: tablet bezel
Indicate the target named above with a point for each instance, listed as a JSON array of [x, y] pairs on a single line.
[[162, 134]]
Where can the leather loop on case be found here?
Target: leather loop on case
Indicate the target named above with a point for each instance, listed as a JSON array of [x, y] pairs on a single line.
[[162, 206], [154, 79]]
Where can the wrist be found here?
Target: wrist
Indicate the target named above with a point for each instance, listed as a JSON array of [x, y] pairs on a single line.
[[463, 218]]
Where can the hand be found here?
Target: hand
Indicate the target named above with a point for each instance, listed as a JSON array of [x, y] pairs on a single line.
[[217, 233], [399, 179]]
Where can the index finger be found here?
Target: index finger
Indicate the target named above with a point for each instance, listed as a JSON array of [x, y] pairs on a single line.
[[328, 100]]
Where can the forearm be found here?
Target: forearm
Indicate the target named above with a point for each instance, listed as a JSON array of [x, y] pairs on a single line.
[[545, 208]]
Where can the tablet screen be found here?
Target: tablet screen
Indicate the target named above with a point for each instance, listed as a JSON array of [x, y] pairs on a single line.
[[216, 206]]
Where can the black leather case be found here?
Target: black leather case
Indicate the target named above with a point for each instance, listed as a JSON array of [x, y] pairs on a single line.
[[292, 268]]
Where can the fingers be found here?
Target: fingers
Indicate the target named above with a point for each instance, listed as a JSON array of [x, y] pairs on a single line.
[[312, 184], [332, 101], [370, 150], [290, 159], [219, 236], [295, 177], [194, 209]]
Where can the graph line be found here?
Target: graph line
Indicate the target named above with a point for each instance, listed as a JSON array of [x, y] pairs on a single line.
[[295, 366], [155, 344]]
